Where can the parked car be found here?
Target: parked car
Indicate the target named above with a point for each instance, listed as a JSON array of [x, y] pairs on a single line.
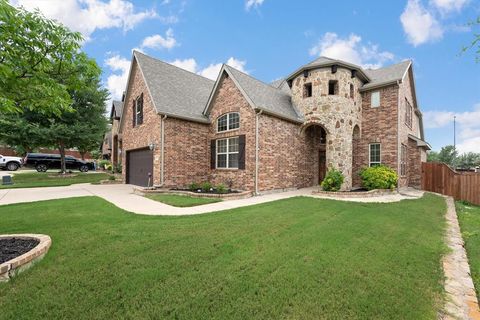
[[10, 163], [42, 162]]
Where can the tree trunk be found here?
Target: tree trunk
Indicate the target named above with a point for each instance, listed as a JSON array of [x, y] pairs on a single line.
[[82, 154], [63, 166]]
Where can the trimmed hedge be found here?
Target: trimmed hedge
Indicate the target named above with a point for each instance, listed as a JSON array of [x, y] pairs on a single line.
[[333, 180], [379, 177]]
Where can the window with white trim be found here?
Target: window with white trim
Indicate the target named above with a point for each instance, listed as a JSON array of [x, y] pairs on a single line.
[[374, 154], [403, 160], [227, 153], [229, 121], [375, 99]]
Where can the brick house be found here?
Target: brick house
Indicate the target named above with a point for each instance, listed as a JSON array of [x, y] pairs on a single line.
[[177, 127]]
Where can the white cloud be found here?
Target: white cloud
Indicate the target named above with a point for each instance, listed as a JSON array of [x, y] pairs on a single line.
[[86, 16], [351, 49], [117, 81], [419, 24], [467, 124], [157, 41], [446, 6], [212, 70], [187, 64], [249, 4]]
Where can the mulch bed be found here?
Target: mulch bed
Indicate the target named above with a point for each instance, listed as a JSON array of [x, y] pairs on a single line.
[[11, 248]]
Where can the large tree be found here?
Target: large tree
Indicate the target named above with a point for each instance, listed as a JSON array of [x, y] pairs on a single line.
[[80, 126], [34, 54]]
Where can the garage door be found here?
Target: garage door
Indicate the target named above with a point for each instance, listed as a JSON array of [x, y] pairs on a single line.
[[139, 166]]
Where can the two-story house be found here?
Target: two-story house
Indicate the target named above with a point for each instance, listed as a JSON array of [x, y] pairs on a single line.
[[178, 127]]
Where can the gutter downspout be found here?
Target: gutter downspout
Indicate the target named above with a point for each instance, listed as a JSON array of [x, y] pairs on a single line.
[[398, 136], [257, 115], [162, 151]]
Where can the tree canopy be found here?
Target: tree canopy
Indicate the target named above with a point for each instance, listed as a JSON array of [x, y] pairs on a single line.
[[450, 156], [35, 56]]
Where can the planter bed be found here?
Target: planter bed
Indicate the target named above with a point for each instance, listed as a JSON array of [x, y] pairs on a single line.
[[18, 252], [228, 196], [356, 194]]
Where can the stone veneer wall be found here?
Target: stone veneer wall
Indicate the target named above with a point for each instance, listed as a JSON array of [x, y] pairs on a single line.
[[230, 99], [379, 125], [338, 114], [149, 132]]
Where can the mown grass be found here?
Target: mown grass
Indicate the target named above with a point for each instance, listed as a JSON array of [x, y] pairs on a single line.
[[181, 201], [469, 219], [299, 258], [50, 179]]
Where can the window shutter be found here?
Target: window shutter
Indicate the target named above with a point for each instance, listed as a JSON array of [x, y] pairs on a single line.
[[213, 153], [241, 152], [134, 113], [140, 116]]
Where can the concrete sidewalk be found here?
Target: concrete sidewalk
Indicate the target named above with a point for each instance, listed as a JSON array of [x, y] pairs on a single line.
[[123, 197]]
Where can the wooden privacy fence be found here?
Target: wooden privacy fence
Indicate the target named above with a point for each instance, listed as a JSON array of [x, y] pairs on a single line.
[[440, 178]]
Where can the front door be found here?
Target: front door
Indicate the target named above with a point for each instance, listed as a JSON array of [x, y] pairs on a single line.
[[322, 164]]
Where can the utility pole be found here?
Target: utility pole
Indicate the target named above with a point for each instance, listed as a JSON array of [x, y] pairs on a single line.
[[454, 134]]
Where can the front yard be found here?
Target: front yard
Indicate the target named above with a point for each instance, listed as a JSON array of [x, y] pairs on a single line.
[[53, 179], [300, 258], [469, 219], [180, 200]]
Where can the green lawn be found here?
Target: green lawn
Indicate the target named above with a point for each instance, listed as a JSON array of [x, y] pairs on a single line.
[[469, 218], [181, 201], [299, 258], [48, 179]]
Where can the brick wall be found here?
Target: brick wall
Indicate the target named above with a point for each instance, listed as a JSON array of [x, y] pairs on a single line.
[[148, 132], [379, 125], [230, 99], [186, 152]]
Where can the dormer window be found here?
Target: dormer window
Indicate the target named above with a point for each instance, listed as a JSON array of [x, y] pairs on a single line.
[[229, 121], [307, 90], [333, 87]]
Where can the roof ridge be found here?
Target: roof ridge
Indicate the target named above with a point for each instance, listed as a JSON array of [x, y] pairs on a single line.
[[246, 74], [391, 65], [172, 65]]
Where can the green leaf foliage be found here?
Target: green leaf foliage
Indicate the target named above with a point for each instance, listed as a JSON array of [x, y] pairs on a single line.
[[379, 177], [35, 55], [333, 180]]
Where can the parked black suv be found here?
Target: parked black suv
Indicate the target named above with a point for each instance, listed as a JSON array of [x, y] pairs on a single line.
[[42, 162]]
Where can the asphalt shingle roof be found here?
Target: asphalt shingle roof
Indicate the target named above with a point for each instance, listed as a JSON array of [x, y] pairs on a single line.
[[264, 96], [386, 74], [175, 91], [118, 105]]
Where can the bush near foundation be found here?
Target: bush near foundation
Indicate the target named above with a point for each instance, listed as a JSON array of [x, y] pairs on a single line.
[[379, 177], [333, 180]]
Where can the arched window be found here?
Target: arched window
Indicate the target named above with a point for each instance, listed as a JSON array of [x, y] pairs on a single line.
[[228, 121]]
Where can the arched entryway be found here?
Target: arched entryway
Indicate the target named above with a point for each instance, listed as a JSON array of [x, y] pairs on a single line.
[[317, 138]]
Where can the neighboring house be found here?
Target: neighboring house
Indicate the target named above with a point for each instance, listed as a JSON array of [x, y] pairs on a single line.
[[178, 127], [107, 144], [8, 151], [112, 141]]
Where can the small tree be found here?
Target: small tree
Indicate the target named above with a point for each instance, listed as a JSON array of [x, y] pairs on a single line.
[[448, 154], [34, 54]]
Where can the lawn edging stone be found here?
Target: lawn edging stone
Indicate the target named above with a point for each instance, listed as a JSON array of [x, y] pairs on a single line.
[[21, 263], [356, 194], [227, 196]]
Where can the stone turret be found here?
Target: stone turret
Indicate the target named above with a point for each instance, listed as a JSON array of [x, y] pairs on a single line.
[[326, 91]]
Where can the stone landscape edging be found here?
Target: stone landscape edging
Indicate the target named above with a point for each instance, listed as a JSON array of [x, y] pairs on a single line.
[[228, 196], [12, 267], [461, 299], [358, 194]]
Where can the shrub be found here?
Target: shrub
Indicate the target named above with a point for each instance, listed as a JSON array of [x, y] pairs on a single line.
[[379, 177], [194, 186], [111, 178], [333, 180], [103, 164], [221, 188], [206, 186], [118, 168]]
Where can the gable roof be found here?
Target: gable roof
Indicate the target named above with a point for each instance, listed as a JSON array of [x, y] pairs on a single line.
[[117, 109], [174, 91], [386, 75], [259, 95]]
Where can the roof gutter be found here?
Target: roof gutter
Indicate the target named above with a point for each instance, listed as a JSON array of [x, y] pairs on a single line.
[[380, 84]]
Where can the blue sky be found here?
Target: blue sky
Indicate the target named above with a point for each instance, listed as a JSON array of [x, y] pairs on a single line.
[[270, 38]]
